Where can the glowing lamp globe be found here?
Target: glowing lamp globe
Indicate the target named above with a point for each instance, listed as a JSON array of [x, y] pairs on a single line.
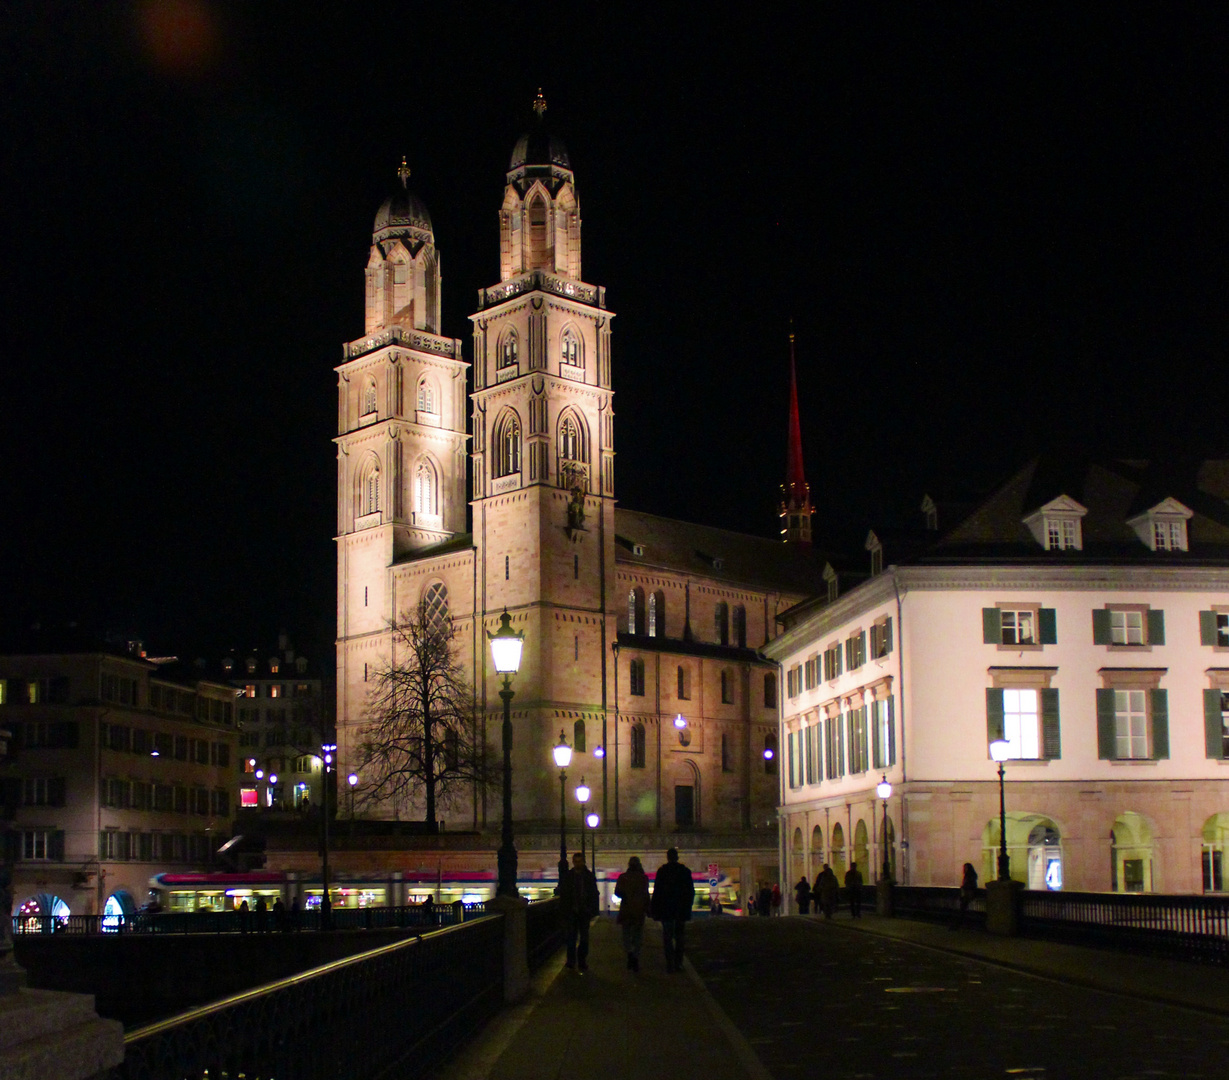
[[563, 753], [592, 820], [272, 778], [680, 722], [883, 789], [599, 751], [1000, 750], [352, 779], [260, 774], [768, 754], [506, 645], [582, 792]]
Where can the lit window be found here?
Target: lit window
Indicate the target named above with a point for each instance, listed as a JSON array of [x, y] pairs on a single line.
[[247, 797], [1020, 723], [1169, 535], [426, 397], [369, 397], [570, 349], [275, 690], [1127, 627], [1019, 627], [274, 665], [509, 350], [1131, 724], [507, 445], [425, 489], [1222, 629], [569, 440]]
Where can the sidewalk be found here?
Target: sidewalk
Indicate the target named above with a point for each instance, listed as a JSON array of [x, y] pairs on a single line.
[[1173, 982], [610, 1024]]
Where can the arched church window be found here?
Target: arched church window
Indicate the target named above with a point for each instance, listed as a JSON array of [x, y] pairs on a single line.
[[369, 396], [721, 623], [570, 349], [425, 488], [637, 746], [635, 612], [369, 487], [569, 440], [578, 736], [507, 445], [740, 626], [426, 397], [435, 606], [509, 350]]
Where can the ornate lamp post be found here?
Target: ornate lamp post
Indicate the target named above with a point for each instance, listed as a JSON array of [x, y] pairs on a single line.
[[884, 790], [582, 797], [1000, 751], [506, 645], [563, 758], [593, 821], [352, 780]]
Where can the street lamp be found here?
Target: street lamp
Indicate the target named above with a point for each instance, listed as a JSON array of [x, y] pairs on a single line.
[[326, 904], [506, 645], [352, 780], [1000, 751], [884, 790], [680, 721], [582, 797], [563, 758], [593, 821]]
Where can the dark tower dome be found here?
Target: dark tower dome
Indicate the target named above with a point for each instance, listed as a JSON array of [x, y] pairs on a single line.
[[403, 215], [538, 152]]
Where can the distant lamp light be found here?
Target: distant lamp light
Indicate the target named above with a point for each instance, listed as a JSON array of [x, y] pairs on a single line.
[[563, 753], [272, 778], [260, 774], [599, 751], [352, 779], [768, 754], [1000, 750], [328, 759], [506, 645], [582, 791], [592, 820], [680, 721], [154, 753]]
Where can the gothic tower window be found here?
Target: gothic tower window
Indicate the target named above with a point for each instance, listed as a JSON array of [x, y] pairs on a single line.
[[426, 487], [369, 487], [569, 352], [435, 606], [637, 746], [569, 440], [635, 612], [721, 623], [426, 397], [369, 396], [508, 351], [507, 445], [578, 736]]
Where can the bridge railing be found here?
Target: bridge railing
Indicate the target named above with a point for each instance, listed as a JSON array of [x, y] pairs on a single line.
[[932, 904], [236, 922], [395, 1010], [543, 930]]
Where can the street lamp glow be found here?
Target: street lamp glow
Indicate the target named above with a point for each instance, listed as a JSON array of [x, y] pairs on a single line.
[[883, 789], [680, 721], [506, 645], [352, 779], [260, 774], [768, 754], [582, 791], [272, 778], [592, 820], [599, 751], [563, 753], [1000, 750]]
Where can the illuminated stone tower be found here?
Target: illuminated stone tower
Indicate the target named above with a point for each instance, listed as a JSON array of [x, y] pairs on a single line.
[[543, 463], [795, 492], [401, 442]]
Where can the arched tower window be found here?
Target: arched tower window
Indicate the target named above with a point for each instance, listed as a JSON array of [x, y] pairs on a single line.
[[426, 488], [578, 736], [721, 622], [636, 677], [740, 626], [369, 396], [569, 440], [569, 349], [538, 245], [657, 615], [368, 487], [507, 445], [635, 612], [435, 606], [637, 746], [426, 397], [509, 350]]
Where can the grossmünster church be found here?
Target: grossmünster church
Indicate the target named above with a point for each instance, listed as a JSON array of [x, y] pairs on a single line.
[[489, 483]]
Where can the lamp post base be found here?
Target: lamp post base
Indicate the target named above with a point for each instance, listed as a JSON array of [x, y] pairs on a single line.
[[1003, 899], [505, 860], [885, 896]]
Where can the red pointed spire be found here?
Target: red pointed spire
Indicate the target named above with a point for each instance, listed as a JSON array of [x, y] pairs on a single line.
[[796, 495]]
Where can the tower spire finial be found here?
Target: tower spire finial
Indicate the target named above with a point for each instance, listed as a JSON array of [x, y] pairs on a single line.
[[539, 104], [403, 171], [796, 494]]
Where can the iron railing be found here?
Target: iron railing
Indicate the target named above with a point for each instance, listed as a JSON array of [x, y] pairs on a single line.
[[543, 930], [932, 904], [396, 1010], [235, 922]]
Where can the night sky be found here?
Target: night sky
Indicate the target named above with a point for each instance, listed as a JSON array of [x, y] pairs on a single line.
[[999, 229]]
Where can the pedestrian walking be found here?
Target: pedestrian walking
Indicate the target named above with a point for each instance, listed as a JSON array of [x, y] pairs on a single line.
[[244, 916], [580, 903], [763, 905], [673, 894], [632, 889], [802, 893], [853, 889], [827, 887], [968, 889], [776, 898], [279, 914], [262, 915]]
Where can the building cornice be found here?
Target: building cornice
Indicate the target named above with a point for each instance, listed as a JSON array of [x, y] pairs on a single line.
[[418, 340], [580, 293]]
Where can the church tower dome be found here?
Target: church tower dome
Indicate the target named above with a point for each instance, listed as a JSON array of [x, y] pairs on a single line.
[[402, 215], [403, 270]]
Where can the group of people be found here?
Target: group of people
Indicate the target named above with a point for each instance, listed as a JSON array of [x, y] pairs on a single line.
[[669, 903], [826, 891], [283, 919]]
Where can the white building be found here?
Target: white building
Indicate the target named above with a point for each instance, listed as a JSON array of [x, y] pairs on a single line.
[[1082, 614]]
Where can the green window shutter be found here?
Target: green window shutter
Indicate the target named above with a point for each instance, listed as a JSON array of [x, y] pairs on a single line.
[[1047, 621], [891, 730], [994, 714], [1106, 748], [887, 636], [1207, 628], [1213, 725], [840, 749], [1101, 634], [1051, 737], [1160, 723], [837, 654], [876, 749], [55, 846], [991, 626], [1156, 627]]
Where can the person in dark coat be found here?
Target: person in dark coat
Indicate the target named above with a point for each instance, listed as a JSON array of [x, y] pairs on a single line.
[[262, 915], [968, 889], [279, 914], [802, 893], [243, 917], [827, 887], [763, 903], [673, 895], [580, 903], [776, 898], [853, 890], [632, 889]]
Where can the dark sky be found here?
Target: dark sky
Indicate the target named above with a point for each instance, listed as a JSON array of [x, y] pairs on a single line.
[[998, 228]]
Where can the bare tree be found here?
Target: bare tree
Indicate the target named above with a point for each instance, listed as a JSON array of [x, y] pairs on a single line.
[[420, 738]]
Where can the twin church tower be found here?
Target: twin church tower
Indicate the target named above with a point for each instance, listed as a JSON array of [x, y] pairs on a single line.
[[598, 592]]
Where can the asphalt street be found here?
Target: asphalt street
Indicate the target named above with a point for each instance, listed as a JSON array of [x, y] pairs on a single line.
[[822, 1001]]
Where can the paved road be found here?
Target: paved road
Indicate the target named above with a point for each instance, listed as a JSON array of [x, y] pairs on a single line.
[[821, 1001]]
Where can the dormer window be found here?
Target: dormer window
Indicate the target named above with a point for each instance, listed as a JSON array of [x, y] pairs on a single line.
[[1163, 527], [931, 511], [875, 547], [1056, 526], [274, 666]]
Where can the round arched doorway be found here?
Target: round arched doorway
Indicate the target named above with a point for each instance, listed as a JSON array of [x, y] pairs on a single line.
[[1034, 847]]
